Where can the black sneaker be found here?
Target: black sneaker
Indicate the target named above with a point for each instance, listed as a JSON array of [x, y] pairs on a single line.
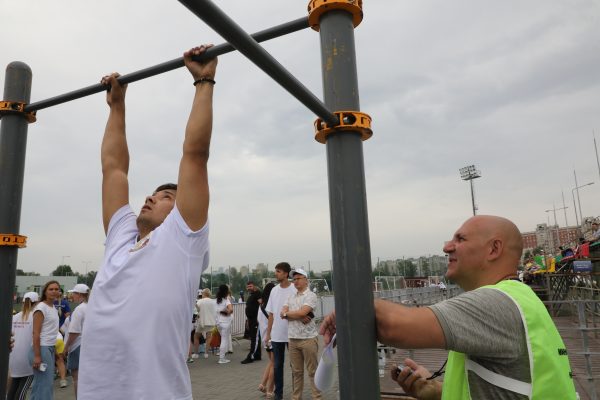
[[247, 361]]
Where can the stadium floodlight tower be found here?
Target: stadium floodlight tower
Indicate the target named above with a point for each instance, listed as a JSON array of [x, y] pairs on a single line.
[[469, 173]]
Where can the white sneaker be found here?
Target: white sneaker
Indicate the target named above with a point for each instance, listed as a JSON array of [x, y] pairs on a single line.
[[224, 361], [195, 355], [205, 355], [63, 383]]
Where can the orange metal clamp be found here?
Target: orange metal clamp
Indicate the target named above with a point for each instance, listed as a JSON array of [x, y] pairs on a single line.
[[8, 239], [316, 8], [354, 121], [15, 107]]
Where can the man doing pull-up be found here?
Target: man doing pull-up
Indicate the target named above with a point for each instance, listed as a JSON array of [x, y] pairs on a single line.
[[139, 313]]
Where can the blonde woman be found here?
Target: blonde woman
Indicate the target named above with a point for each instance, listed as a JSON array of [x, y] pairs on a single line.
[[80, 295], [20, 369], [206, 320], [41, 355]]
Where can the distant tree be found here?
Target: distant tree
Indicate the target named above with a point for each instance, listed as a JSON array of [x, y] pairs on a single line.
[[538, 250], [63, 270], [20, 272], [88, 278]]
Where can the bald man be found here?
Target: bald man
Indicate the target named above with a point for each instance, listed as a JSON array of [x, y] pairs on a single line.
[[502, 342]]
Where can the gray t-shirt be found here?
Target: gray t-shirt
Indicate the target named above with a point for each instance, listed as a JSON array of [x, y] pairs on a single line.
[[486, 325]]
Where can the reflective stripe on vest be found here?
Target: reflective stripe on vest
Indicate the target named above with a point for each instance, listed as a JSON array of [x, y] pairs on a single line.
[[548, 361]]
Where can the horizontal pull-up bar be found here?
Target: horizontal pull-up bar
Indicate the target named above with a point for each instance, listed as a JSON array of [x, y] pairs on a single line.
[[267, 34], [245, 44]]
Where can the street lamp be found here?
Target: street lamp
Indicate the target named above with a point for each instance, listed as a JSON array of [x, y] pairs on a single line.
[[469, 173], [574, 206]]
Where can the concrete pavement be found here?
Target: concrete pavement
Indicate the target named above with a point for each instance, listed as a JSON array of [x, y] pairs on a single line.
[[232, 381]]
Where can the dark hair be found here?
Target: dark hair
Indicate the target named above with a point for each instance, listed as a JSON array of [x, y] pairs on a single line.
[[285, 267], [43, 298], [249, 283], [222, 293], [267, 293], [166, 186]]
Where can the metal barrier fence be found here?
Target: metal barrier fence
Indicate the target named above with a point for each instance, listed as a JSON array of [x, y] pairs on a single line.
[[421, 296], [581, 334], [409, 296]]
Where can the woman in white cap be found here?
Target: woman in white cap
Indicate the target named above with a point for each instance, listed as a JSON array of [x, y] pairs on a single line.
[[41, 355], [80, 295], [20, 369]]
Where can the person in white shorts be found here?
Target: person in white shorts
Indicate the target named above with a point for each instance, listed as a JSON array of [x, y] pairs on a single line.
[[138, 324]]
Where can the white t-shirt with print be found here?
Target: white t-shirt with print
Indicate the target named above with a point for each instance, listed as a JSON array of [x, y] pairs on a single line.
[[137, 327], [50, 324], [18, 364], [76, 325], [296, 328], [278, 297]]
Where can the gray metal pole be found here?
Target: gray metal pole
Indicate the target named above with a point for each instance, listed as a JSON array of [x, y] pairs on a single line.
[[358, 368], [564, 208], [473, 197], [214, 17], [267, 34], [578, 199], [575, 207], [13, 141]]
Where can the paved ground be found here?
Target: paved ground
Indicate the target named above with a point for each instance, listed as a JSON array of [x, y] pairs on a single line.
[[233, 381]]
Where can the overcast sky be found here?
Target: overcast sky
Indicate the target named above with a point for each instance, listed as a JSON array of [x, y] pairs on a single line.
[[512, 87]]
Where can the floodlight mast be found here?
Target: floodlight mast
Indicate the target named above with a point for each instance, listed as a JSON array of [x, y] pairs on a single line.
[[469, 173]]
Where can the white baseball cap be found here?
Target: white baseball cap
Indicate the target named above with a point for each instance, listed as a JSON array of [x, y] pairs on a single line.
[[33, 296], [299, 271], [80, 288]]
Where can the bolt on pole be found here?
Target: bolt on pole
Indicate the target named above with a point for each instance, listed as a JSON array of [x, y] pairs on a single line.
[[13, 141]]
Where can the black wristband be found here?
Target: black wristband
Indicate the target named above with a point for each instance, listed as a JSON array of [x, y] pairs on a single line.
[[204, 79]]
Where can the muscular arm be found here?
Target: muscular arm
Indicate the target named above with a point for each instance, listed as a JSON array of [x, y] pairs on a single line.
[[114, 153], [192, 189], [408, 327]]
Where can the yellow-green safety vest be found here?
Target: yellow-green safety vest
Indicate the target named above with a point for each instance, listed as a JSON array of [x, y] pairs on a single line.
[[551, 376]]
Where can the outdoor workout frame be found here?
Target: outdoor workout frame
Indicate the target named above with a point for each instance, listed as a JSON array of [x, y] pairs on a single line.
[[342, 130]]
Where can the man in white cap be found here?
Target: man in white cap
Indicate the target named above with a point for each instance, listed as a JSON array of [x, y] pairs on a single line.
[[302, 333], [80, 294]]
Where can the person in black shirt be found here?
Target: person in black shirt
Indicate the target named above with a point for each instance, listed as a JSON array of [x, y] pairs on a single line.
[[252, 304]]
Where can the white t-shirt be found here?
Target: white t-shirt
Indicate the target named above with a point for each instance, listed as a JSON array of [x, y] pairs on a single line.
[[296, 328], [18, 363], [222, 307], [76, 325], [207, 312], [137, 327], [279, 296], [50, 324]]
